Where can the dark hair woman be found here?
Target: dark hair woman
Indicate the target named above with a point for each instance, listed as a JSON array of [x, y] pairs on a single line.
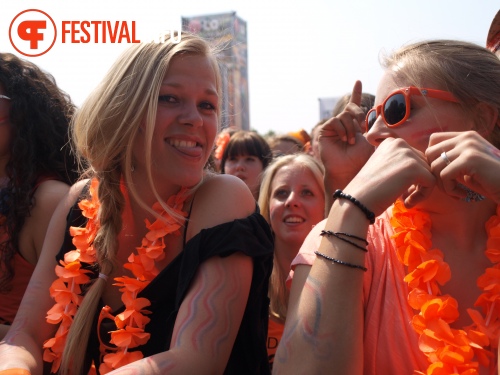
[[36, 169]]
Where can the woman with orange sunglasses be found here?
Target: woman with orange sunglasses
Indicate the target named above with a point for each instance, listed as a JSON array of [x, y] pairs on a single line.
[[403, 276]]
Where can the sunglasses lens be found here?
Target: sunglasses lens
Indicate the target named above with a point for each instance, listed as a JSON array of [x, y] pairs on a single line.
[[370, 119], [395, 109]]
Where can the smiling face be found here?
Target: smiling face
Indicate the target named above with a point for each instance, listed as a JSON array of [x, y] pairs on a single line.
[[186, 123], [296, 204], [427, 116]]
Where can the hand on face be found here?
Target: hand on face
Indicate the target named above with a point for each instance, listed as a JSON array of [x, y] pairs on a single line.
[[343, 148], [473, 162], [399, 170], [394, 170]]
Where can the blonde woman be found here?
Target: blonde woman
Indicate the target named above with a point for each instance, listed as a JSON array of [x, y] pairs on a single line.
[[292, 199], [402, 277], [171, 264]]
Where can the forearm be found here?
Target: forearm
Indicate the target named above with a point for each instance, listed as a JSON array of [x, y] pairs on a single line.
[[324, 328], [19, 351], [4, 328], [22, 346], [170, 362], [334, 181], [207, 323]]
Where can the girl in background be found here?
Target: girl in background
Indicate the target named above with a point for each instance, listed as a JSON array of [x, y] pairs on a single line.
[[36, 171], [292, 199], [246, 156]]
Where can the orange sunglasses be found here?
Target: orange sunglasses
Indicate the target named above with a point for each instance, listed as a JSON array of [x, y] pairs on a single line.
[[396, 107]]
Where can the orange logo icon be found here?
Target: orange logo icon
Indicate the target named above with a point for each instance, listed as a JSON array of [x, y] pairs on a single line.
[[32, 32]]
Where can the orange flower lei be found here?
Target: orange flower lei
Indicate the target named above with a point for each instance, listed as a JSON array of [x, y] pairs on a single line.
[[450, 351], [221, 144], [67, 289]]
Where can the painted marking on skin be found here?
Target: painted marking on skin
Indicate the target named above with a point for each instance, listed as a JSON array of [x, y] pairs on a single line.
[[190, 314], [210, 321], [231, 299], [284, 350], [494, 151], [322, 343]]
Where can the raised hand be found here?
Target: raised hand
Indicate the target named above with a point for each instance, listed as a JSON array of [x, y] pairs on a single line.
[[394, 170], [469, 160], [343, 148]]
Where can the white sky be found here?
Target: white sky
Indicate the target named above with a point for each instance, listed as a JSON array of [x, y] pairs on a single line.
[[298, 51]]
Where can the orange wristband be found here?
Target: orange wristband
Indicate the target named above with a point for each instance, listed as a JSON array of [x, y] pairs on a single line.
[[15, 371]]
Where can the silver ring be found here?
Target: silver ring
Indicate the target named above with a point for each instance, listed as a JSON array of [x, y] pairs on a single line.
[[445, 158]]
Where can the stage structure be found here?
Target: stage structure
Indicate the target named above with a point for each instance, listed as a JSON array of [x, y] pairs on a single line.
[[230, 31]]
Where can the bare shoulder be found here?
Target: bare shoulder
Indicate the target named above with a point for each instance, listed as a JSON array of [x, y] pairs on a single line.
[[54, 187], [72, 194], [76, 189], [51, 191], [220, 199], [226, 193], [65, 204], [47, 195]]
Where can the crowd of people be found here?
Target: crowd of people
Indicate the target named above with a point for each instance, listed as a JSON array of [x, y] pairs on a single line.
[[137, 237]]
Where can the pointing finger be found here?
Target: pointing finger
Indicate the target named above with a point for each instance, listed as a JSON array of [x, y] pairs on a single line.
[[357, 90]]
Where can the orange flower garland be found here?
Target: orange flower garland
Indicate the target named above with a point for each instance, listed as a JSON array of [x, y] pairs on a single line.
[[450, 351], [221, 144], [67, 289]]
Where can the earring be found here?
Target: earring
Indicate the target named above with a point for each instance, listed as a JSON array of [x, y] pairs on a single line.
[[132, 168]]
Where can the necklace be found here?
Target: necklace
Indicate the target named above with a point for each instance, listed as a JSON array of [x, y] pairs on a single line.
[[449, 351], [67, 289]]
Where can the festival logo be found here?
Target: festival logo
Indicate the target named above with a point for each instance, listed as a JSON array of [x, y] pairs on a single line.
[[33, 32]]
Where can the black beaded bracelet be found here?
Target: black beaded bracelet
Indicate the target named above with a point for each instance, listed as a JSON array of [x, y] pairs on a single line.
[[329, 233], [339, 194], [341, 262]]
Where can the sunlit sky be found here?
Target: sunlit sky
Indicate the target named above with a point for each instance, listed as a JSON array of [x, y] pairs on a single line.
[[298, 51]]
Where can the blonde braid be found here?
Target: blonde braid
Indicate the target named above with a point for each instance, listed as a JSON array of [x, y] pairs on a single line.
[[112, 203]]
